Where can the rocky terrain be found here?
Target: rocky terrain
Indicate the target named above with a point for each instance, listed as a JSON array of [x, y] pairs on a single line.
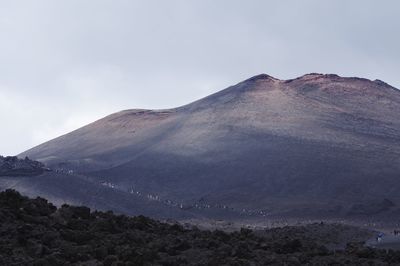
[[14, 166], [317, 146], [35, 232]]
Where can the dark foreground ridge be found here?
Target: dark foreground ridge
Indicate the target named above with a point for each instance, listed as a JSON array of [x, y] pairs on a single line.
[[35, 232], [14, 166]]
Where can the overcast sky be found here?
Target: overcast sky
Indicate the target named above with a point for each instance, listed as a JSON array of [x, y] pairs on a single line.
[[65, 63]]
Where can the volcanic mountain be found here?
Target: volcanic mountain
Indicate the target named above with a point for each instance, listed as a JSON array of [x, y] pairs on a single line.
[[318, 145]]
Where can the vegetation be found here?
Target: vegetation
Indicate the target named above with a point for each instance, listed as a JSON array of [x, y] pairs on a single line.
[[35, 232]]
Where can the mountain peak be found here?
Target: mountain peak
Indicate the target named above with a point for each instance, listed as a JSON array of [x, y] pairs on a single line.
[[312, 76], [261, 77], [296, 149]]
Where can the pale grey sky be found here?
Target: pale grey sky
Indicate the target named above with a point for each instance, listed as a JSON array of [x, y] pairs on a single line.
[[65, 63]]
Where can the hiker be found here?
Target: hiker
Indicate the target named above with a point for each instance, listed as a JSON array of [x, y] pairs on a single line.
[[379, 237]]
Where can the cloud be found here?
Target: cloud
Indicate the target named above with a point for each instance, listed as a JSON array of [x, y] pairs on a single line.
[[66, 63]]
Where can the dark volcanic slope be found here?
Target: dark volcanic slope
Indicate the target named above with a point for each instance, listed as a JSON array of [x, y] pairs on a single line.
[[312, 145]]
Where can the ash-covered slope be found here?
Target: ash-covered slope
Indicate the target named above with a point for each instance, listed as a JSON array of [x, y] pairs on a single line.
[[314, 145]]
